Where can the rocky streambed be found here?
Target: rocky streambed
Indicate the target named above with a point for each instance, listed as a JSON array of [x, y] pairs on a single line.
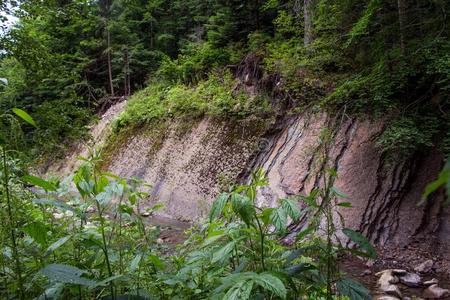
[[423, 281]]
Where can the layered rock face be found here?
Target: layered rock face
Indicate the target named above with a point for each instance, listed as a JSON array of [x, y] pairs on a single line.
[[189, 162], [384, 194]]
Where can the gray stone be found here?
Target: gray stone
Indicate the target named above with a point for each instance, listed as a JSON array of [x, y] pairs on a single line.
[[385, 297], [435, 292], [411, 279], [431, 282], [386, 283], [386, 277], [425, 267]]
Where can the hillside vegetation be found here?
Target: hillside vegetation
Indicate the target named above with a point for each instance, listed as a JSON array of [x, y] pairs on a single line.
[[64, 60]]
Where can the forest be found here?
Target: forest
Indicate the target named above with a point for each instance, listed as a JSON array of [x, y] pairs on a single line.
[[64, 63]]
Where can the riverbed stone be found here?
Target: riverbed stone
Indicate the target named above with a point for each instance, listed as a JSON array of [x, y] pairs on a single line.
[[411, 279], [386, 283], [385, 297], [431, 282], [436, 292], [386, 277], [425, 267]]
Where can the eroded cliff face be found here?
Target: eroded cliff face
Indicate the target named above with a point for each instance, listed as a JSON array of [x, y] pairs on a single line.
[[189, 162], [384, 194]]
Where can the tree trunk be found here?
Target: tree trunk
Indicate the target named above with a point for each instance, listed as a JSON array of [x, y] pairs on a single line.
[[401, 21], [127, 90], [108, 41], [307, 17]]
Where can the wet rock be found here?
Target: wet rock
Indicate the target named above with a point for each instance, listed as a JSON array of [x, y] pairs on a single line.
[[431, 282], [435, 292], [387, 277], [391, 290], [411, 280], [425, 267], [386, 283], [385, 297]]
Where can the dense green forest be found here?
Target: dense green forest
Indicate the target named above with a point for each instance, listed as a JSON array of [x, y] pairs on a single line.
[[64, 62]]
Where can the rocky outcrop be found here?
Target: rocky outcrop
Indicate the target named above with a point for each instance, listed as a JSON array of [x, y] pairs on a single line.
[[384, 194], [189, 161]]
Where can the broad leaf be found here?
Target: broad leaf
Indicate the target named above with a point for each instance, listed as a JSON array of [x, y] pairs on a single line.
[[56, 245], [292, 208], [106, 281], [300, 268], [135, 262], [278, 218], [47, 186], [240, 291], [271, 283], [66, 274], [353, 289], [223, 253], [38, 231], [55, 203], [361, 241], [218, 206], [243, 207], [24, 116]]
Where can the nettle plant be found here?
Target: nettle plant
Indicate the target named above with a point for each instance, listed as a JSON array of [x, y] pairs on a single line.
[[84, 243], [102, 248], [240, 253]]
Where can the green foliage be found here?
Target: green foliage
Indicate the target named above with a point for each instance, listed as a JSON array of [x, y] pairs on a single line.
[[443, 181], [361, 26], [406, 135], [194, 63], [219, 95]]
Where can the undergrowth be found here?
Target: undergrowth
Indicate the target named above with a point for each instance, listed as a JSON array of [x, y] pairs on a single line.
[[218, 95]]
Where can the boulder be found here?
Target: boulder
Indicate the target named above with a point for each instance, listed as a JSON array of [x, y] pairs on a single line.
[[411, 280], [386, 277], [386, 283], [435, 292], [425, 267]]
